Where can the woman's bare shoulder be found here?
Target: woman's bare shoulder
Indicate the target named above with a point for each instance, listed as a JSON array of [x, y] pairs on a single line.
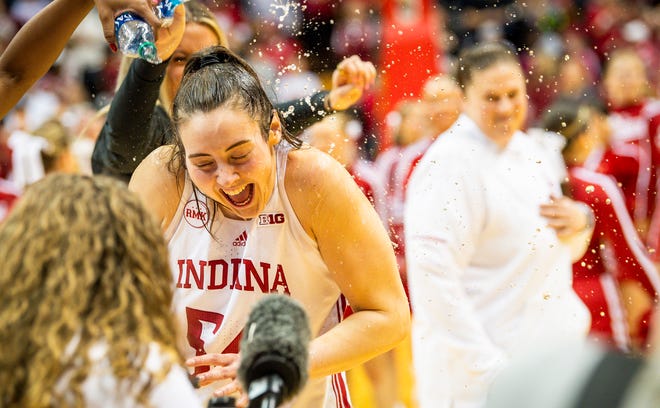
[[313, 181], [310, 167], [158, 184]]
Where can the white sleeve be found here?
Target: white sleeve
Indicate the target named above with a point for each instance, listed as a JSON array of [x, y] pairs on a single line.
[[453, 354], [175, 391], [102, 389]]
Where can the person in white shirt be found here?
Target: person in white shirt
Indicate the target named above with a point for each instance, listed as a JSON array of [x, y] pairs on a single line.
[[86, 296], [489, 240]]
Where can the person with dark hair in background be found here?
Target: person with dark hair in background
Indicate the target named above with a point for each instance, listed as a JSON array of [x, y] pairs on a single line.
[[139, 119], [615, 278], [86, 298], [39, 42], [247, 211], [489, 239]]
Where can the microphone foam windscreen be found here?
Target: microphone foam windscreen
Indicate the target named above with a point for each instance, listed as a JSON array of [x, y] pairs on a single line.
[[275, 341]]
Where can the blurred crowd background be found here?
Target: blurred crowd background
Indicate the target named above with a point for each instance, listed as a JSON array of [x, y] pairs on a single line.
[[295, 45]]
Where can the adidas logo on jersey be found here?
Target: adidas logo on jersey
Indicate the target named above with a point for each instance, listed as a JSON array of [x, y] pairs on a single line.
[[241, 239]]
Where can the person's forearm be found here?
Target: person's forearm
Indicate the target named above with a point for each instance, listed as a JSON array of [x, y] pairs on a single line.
[[133, 104], [300, 114], [369, 333], [36, 47], [449, 336], [128, 134], [442, 232]]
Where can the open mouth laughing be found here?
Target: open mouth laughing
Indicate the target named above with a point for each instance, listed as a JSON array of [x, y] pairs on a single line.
[[240, 196]]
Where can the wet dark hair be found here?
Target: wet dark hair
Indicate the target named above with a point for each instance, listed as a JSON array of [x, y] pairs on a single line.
[[567, 117], [216, 77], [482, 56]]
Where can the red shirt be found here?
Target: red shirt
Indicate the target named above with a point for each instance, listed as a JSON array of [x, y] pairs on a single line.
[[632, 158], [615, 251], [8, 196]]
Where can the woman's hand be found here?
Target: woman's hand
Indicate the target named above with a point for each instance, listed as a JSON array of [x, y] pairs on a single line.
[[567, 216], [222, 367], [349, 81], [168, 38]]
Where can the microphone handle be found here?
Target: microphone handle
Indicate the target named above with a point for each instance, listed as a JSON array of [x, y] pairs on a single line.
[[269, 401], [266, 392], [222, 402]]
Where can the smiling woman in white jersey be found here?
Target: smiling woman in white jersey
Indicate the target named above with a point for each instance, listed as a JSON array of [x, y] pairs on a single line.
[[247, 213]]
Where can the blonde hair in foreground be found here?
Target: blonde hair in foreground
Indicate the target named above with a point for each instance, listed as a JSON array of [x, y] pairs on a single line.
[[80, 258]]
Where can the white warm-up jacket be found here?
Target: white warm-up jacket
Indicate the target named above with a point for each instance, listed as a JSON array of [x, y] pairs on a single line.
[[488, 278]]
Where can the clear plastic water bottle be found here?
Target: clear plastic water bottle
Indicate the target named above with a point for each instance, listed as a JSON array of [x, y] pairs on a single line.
[[135, 38], [165, 11]]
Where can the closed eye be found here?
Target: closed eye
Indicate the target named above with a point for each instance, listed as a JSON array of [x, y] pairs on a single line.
[[241, 157], [204, 165]]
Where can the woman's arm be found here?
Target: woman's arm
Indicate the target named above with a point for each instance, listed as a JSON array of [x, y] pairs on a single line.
[[358, 252], [445, 213], [635, 272], [299, 114], [36, 46], [159, 189], [350, 79], [133, 127], [39, 42]]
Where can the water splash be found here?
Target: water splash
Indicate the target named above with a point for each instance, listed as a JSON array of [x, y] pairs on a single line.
[[284, 8], [288, 112]]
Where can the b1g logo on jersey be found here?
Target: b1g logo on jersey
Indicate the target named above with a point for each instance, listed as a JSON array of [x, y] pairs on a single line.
[[271, 218], [196, 213]]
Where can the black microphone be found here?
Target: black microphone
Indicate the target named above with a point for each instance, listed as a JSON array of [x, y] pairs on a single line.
[[274, 349]]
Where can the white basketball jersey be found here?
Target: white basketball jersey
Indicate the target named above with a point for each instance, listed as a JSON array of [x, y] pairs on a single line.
[[221, 275]]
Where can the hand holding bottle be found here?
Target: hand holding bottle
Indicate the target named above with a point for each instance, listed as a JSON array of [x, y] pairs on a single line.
[[135, 37], [109, 9]]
